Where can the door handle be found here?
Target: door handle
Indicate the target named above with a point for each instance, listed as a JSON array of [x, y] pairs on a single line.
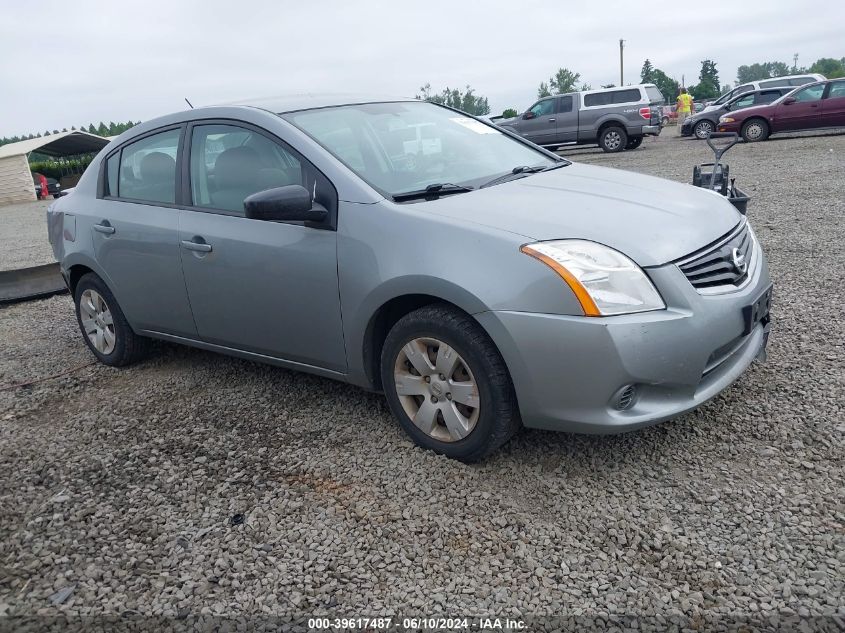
[[104, 227], [200, 247], [552, 120]]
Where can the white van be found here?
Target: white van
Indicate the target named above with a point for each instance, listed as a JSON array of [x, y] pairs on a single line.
[[774, 82]]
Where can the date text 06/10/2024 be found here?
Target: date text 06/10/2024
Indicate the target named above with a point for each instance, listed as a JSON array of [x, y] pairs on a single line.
[[416, 624]]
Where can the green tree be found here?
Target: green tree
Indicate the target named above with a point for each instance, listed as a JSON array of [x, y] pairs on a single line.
[[708, 82], [829, 67], [608, 85], [466, 101], [543, 90], [510, 113], [92, 129], [667, 86], [564, 80], [765, 70]]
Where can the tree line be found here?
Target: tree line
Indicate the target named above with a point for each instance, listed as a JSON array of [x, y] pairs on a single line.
[[112, 129], [708, 85]]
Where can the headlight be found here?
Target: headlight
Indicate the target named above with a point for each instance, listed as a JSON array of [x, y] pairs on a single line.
[[604, 280], [726, 119]]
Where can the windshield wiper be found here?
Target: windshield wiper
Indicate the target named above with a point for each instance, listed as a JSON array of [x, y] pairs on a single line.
[[522, 171], [431, 192]]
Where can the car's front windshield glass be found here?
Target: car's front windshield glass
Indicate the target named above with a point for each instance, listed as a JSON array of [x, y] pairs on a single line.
[[399, 147]]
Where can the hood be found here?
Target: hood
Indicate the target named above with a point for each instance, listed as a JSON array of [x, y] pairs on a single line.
[[651, 220]]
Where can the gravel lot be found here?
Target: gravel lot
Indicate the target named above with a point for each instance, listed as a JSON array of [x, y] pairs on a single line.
[[23, 235], [125, 487]]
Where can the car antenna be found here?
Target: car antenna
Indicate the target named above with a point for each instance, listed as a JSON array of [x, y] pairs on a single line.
[[189, 103]]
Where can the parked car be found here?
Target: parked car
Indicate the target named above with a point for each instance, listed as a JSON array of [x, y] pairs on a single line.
[[816, 106], [703, 123], [492, 285], [45, 186], [614, 118], [790, 81], [669, 114]]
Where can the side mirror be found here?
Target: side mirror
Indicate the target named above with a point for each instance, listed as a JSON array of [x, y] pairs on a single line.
[[789, 101], [529, 115], [291, 203]]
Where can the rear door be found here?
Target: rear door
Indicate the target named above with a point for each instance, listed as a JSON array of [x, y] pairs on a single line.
[[135, 233], [539, 123], [567, 119], [265, 287], [833, 105], [802, 114]]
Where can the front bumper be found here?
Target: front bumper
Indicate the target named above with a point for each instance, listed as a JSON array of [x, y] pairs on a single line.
[[729, 127], [567, 370], [686, 128], [652, 130]]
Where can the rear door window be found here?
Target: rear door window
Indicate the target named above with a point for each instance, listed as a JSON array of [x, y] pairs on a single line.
[[800, 81], [148, 168], [564, 104], [775, 83]]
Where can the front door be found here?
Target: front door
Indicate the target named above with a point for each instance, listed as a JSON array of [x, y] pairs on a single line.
[[833, 105], [265, 287], [803, 113], [136, 237], [539, 123]]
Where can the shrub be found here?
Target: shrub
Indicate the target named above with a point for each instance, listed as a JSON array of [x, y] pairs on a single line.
[[510, 113]]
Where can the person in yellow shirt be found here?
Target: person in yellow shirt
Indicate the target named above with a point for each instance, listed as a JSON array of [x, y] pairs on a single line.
[[685, 107]]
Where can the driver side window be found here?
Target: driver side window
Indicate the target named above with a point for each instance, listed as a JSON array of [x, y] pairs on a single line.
[[542, 108], [813, 93], [743, 103]]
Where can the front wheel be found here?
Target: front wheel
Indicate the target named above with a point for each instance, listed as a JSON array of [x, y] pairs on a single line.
[[104, 328], [613, 139], [703, 129], [755, 130], [634, 143], [447, 384]]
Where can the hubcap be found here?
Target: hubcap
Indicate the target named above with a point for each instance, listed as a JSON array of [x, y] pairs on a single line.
[[437, 389], [97, 321], [612, 140], [755, 130]]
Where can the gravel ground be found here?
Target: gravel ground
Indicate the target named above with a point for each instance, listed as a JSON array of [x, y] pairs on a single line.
[[23, 235], [198, 484]]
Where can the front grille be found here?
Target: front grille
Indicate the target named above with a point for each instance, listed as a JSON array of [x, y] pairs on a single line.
[[727, 263]]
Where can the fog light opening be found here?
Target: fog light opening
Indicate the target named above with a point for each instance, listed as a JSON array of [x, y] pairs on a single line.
[[624, 398]]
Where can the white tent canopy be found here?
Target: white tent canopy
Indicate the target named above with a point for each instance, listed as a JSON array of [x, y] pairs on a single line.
[[15, 177]]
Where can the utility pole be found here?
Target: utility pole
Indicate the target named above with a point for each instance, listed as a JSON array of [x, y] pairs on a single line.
[[621, 63], [795, 63]]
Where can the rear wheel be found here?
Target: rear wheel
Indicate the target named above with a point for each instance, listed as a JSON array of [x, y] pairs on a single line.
[[634, 143], [104, 328], [447, 384], [755, 130], [613, 139], [703, 129]]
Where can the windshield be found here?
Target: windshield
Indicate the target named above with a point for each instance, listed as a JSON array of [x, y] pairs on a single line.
[[407, 146]]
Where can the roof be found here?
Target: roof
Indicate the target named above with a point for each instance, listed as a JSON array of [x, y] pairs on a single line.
[[61, 144], [291, 103]]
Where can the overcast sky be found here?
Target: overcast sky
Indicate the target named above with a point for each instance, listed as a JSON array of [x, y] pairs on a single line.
[[71, 63]]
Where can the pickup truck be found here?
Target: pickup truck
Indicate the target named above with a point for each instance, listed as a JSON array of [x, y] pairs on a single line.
[[614, 118]]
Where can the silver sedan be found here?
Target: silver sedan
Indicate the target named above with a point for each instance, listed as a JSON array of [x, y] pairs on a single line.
[[477, 280]]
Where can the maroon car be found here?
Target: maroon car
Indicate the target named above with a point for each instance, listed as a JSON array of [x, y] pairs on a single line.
[[814, 106]]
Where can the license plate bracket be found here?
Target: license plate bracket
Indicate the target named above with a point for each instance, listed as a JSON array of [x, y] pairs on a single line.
[[758, 311]]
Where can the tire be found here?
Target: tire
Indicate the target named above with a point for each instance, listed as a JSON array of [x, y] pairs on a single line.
[[703, 129], [492, 416], [634, 142], [613, 139], [755, 130], [95, 307]]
